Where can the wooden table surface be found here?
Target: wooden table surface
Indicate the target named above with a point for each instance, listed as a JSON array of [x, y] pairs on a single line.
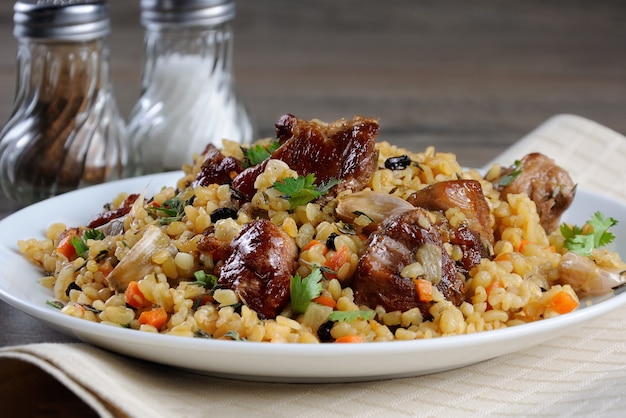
[[467, 77]]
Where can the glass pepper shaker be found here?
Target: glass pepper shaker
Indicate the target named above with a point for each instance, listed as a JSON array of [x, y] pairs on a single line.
[[188, 97], [65, 131]]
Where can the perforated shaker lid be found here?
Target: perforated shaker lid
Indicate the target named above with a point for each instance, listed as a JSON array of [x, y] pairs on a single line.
[[186, 12], [73, 20]]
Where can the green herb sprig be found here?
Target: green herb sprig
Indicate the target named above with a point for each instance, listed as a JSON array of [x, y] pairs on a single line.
[[302, 190], [584, 243], [305, 290], [350, 316], [507, 179]]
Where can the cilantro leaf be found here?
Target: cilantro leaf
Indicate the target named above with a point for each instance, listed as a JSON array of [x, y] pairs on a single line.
[[584, 243], [305, 290], [349, 316], [258, 153], [601, 225], [208, 281], [94, 234], [80, 246], [302, 190], [507, 179]]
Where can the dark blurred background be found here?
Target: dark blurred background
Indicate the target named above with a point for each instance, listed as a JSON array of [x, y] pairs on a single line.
[[466, 76]]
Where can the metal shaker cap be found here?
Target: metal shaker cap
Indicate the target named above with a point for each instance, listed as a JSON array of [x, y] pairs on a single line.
[[71, 20], [186, 12]]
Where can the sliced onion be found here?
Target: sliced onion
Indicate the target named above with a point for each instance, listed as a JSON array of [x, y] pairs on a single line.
[[586, 278]]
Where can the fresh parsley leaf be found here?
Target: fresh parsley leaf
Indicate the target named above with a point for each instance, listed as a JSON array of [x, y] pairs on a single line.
[[584, 243], [305, 290], [80, 246], [601, 225], [302, 190], [209, 281], [349, 316], [507, 179], [94, 234], [325, 187], [171, 210], [258, 153]]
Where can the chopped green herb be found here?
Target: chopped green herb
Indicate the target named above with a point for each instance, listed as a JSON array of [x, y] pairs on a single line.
[[302, 190], [234, 335], [580, 243], [349, 316], [90, 308], [171, 210], [258, 153], [359, 213], [507, 179], [80, 246], [201, 334], [209, 281], [102, 255], [345, 228], [305, 290], [94, 234], [55, 304]]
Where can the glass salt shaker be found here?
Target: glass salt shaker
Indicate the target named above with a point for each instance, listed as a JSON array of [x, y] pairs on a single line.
[[65, 131], [188, 95]]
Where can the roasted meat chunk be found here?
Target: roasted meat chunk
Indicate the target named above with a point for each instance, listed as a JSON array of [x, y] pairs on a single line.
[[467, 195], [475, 235], [260, 267], [546, 183], [103, 218], [400, 241], [343, 150], [217, 168]]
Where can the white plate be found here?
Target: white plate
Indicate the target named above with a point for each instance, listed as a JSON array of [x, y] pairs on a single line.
[[264, 361]]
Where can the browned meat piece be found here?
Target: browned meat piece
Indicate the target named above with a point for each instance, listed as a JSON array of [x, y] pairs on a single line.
[[400, 241], [547, 184], [243, 184], [217, 168], [342, 150], [106, 217], [208, 243], [260, 267], [472, 247], [467, 195]]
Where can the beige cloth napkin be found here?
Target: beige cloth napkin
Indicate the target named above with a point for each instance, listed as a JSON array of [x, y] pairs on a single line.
[[582, 373]]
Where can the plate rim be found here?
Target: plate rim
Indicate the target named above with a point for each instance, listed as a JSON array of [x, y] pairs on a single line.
[[84, 329]]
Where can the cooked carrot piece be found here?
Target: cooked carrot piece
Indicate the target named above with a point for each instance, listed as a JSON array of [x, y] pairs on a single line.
[[338, 259], [157, 317], [133, 295], [66, 247], [493, 285], [326, 301], [311, 244], [563, 303], [106, 267], [349, 339], [424, 289]]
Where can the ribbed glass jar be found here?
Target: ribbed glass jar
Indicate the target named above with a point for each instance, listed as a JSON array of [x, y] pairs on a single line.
[[65, 131], [188, 95]]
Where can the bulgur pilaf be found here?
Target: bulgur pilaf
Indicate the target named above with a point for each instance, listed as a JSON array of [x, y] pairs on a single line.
[[157, 263]]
